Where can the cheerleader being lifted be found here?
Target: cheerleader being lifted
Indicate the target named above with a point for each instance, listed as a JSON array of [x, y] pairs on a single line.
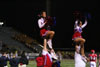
[[44, 24], [77, 38]]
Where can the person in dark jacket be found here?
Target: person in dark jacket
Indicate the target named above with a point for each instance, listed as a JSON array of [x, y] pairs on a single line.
[[56, 63], [14, 61], [3, 60], [23, 60]]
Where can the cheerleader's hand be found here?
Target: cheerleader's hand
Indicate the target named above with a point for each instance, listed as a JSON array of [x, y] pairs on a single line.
[[45, 21]]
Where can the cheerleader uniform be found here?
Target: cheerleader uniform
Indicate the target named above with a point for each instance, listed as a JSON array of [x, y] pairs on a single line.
[[47, 59], [79, 60], [41, 24], [78, 30]]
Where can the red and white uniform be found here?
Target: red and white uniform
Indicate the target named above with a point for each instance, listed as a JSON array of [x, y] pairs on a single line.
[[43, 30], [41, 24], [47, 59], [78, 30], [93, 58], [99, 60]]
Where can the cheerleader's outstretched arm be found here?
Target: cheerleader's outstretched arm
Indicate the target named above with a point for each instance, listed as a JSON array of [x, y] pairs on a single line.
[[84, 24]]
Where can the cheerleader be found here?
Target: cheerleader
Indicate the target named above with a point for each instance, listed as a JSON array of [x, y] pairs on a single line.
[[44, 29], [77, 37]]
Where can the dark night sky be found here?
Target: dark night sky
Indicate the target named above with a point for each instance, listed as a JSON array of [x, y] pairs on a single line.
[[21, 14]]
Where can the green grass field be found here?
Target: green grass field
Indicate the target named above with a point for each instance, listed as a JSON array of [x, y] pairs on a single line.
[[64, 63]]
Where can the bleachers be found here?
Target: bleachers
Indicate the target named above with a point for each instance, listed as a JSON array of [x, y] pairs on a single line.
[[17, 40], [28, 41]]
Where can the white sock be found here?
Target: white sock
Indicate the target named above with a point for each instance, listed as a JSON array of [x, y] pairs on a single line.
[[49, 43]]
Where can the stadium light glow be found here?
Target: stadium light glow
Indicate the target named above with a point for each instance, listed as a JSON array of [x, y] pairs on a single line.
[[1, 23]]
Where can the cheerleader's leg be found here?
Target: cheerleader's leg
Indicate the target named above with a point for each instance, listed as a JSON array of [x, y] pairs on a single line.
[[81, 42], [82, 47], [50, 35], [49, 42], [82, 50]]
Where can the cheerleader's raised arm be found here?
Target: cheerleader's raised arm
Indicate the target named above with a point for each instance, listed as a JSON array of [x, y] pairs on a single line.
[[45, 33], [77, 36], [84, 24], [76, 24]]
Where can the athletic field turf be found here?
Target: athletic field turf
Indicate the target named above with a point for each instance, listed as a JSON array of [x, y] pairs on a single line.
[[64, 63]]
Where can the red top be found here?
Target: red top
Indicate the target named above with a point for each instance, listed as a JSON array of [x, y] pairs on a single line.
[[47, 58], [47, 61], [93, 57], [39, 61]]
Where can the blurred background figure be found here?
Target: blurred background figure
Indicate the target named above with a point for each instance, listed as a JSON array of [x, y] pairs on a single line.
[[93, 58], [56, 63], [14, 61], [0, 54], [59, 56], [0, 45], [23, 61], [99, 60], [3, 60]]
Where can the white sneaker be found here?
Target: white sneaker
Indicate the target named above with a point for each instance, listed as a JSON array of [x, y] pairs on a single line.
[[54, 56]]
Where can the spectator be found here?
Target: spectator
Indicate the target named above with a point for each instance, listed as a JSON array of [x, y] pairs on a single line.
[[23, 60], [14, 61], [59, 55], [0, 54], [56, 63], [3, 60]]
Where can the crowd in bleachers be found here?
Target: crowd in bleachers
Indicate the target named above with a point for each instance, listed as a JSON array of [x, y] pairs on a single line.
[[23, 38], [14, 59]]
